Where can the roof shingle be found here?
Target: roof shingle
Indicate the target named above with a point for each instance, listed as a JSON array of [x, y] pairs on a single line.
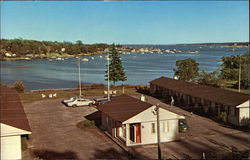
[[123, 107], [11, 109], [201, 91]]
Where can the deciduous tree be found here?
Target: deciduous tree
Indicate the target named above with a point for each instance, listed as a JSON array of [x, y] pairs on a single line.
[[187, 69]]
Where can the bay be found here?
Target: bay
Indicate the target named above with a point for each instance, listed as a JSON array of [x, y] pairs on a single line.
[[140, 68]]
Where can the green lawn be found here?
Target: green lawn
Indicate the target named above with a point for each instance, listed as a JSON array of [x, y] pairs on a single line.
[[230, 85], [35, 96]]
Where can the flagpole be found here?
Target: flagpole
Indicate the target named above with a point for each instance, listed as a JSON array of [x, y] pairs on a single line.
[[79, 76], [108, 77]]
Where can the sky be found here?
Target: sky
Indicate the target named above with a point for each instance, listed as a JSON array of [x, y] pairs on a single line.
[[145, 22]]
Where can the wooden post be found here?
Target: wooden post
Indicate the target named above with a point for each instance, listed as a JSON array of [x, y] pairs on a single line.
[[158, 132]]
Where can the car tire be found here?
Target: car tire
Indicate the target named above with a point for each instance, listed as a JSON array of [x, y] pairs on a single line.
[[90, 104], [74, 105]]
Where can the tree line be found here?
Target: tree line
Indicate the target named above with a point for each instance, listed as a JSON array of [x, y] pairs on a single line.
[[22, 47], [230, 70]]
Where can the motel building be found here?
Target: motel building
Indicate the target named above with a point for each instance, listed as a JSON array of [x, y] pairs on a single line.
[[14, 124], [134, 121], [228, 106]]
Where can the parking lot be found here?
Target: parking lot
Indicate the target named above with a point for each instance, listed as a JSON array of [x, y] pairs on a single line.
[[204, 136], [55, 135]]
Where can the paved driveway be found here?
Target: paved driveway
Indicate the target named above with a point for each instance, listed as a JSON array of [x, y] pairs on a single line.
[[204, 135], [55, 135]]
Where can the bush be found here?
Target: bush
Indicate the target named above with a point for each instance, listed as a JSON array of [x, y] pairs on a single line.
[[142, 89], [86, 124], [19, 86], [24, 142]]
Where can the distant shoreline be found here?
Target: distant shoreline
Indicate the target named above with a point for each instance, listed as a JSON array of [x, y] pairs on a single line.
[[126, 49]]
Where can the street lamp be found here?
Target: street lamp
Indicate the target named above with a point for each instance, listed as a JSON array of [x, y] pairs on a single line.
[[78, 62], [156, 112]]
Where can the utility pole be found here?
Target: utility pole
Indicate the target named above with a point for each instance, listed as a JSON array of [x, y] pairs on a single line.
[[108, 77], [239, 73], [79, 76], [158, 132]]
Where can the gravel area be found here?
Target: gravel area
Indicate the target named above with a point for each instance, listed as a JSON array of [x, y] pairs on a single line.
[[55, 135]]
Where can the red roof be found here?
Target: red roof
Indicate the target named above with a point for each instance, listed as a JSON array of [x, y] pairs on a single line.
[[123, 107], [202, 91], [12, 112]]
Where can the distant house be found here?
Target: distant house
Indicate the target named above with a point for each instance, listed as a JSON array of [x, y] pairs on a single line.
[[134, 121], [231, 107], [14, 124]]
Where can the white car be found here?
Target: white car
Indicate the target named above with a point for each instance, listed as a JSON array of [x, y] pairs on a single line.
[[70, 100], [75, 102]]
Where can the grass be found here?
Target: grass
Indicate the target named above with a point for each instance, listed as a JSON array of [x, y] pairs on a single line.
[[27, 97], [36, 95], [230, 85], [86, 124], [246, 91]]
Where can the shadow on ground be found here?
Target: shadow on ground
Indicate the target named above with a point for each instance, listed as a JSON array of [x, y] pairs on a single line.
[[50, 154], [96, 117], [110, 154], [232, 136]]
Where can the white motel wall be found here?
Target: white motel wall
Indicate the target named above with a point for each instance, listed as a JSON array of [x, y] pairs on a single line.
[[243, 113], [11, 142], [169, 127]]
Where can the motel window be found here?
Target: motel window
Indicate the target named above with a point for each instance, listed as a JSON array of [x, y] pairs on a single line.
[[152, 127]]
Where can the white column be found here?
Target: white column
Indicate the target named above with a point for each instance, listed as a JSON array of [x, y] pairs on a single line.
[[127, 135]]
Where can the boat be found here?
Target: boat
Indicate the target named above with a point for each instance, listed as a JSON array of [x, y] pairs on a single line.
[[194, 52], [100, 56], [92, 58], [85, 59]]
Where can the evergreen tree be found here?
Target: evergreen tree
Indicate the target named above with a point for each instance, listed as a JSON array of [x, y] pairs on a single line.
[[116, 70]]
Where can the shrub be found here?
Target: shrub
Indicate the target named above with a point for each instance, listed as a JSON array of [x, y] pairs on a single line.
[[86, 124], [19, 86], [24, 145]]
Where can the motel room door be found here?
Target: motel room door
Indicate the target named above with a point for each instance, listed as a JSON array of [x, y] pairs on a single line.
[[135, 132], [138, 132]]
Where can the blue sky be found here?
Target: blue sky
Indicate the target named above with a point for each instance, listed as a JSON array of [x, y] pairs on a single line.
[[127, 22]]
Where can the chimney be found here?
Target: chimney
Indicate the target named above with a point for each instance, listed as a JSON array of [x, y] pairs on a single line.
[[142, 98]]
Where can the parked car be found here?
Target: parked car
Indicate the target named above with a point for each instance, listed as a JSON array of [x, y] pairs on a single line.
[[78, 101], [101, 100], [69, 100], [183, 126]]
